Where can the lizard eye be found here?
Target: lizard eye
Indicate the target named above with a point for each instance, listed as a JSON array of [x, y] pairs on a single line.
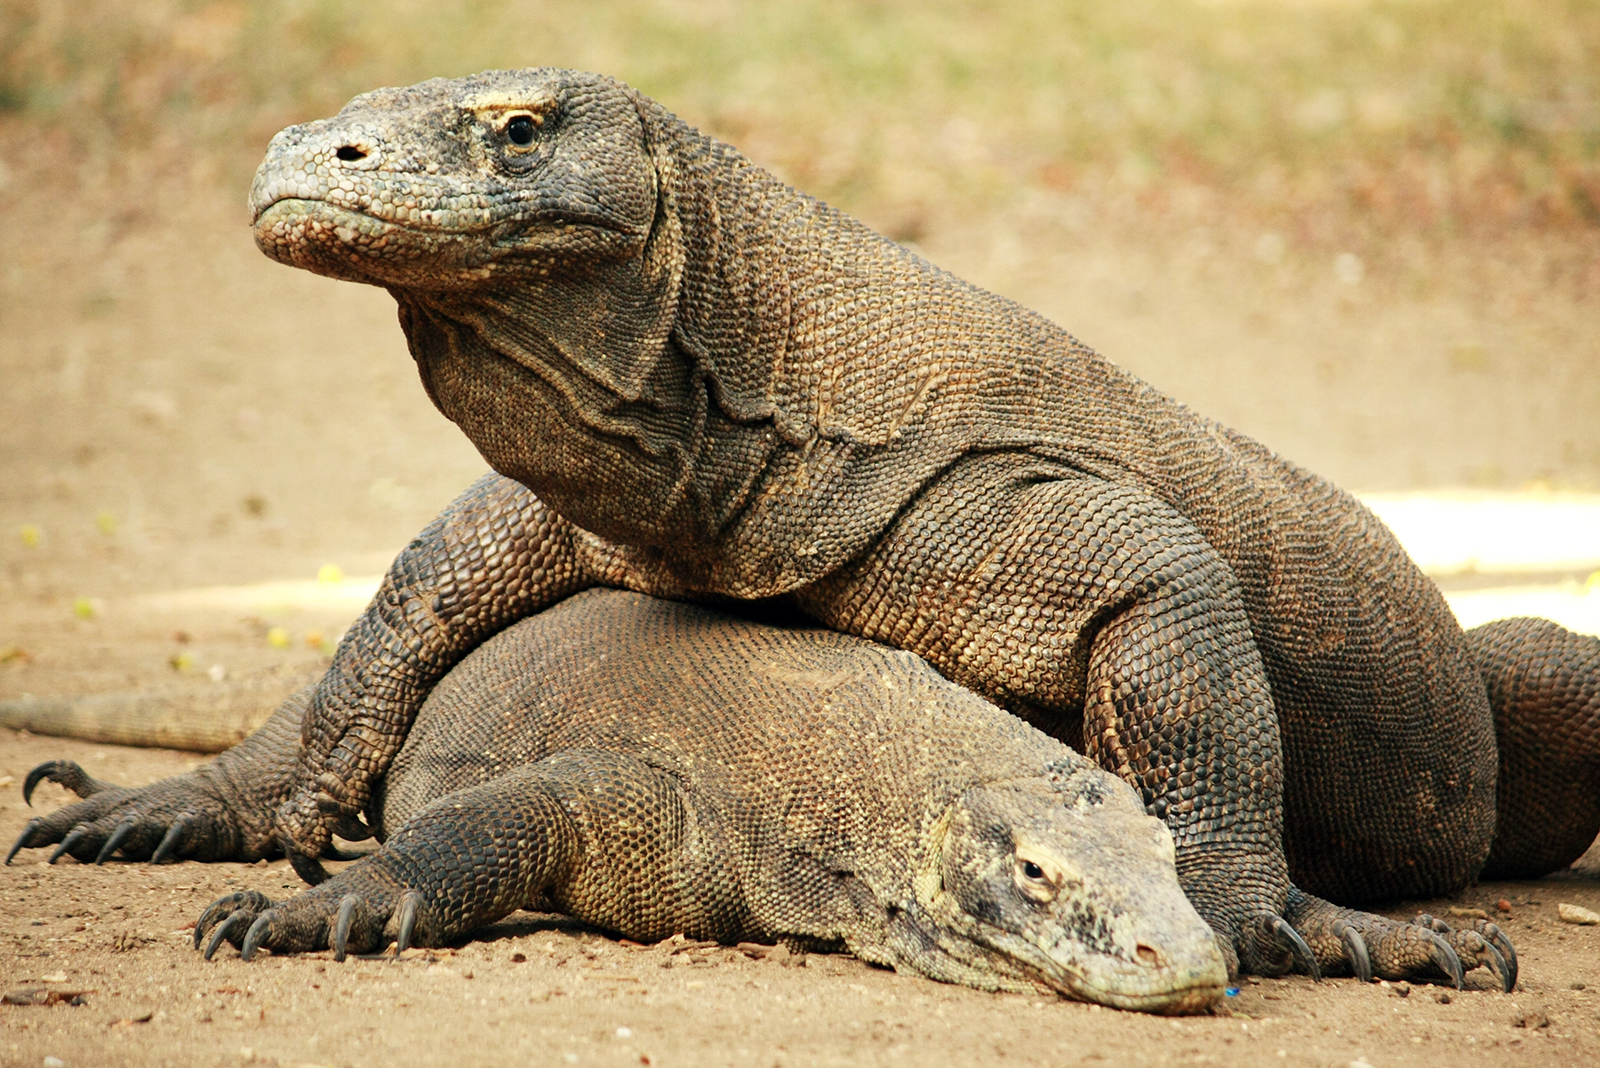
[[520, 130], [1034, 881]]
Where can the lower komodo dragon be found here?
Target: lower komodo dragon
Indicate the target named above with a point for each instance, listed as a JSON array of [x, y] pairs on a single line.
[[654, 768], [694, 381]]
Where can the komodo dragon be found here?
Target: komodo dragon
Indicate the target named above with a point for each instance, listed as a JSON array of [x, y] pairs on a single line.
[[654, 767], [694, 381]]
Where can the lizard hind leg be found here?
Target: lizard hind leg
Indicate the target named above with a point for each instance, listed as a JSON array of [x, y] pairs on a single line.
[[219, 811]]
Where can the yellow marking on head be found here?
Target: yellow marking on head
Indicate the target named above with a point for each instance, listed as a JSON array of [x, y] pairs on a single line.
[[505, 105]]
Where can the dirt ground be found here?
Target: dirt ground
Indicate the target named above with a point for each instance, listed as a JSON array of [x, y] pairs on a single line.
[[178, 412], [533, 990]]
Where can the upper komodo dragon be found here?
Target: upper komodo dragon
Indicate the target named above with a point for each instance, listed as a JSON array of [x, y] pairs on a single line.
[[699, 383], [653, 767]]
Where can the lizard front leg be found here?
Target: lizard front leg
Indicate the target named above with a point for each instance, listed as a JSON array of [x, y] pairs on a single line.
[[495, 556], [1102, 615], [595, 834]]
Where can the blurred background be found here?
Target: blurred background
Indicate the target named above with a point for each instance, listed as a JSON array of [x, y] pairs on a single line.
[[1367, 233]]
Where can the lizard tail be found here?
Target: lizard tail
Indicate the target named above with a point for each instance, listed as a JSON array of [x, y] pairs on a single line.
[[1544, 688], [205, 718]]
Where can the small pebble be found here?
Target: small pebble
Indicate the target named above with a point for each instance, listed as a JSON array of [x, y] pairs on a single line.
[[624, 1032], [519, 958], [1579, 986], [54, 1062], [1577, 914], [1503, 905], [1443, 998]]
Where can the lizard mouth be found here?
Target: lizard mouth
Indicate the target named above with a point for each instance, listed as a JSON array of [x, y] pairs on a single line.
[[334, 240], [290, 206], [1178, 995], [422, 249]]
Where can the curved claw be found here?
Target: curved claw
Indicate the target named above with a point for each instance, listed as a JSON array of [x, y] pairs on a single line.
[[236, 917], [257, 933], [48, 770], [409, 903], [226, 906], [1497, 938], [309, 869], [1288, 938], [341, 926], [38, 775], [78, 834], [22, 839], [1355, 951], [116, 838], [65, 772], [1446, 959], [169, 841], [215, 909], [1497, 964]]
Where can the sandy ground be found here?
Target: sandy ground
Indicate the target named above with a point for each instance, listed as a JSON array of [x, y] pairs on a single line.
[[535, 991], [179, 413]]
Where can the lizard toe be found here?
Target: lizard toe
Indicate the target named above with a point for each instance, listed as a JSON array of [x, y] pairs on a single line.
[[172, 841], [1480, 944], [26, 838], [114, 840], [73, 843], [1289, 941], [1492, 934], [406, 918], [229, 930], [65, 773], [259, 932], [1355, 950], [252, 901]]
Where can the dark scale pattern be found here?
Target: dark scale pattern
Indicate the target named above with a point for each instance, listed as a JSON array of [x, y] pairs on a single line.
[[653, 767], [494, 557], [736, 392], [221, 811], [1544, 682]]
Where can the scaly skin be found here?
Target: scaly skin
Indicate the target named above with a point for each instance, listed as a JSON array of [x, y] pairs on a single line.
[[726, 389], [653, 768]]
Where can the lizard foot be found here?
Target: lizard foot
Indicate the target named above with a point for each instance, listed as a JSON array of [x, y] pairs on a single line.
[[1349, 942], [355, 914], [174, 819]]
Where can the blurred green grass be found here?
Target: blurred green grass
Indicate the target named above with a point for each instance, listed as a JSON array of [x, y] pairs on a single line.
[[1337, 122]]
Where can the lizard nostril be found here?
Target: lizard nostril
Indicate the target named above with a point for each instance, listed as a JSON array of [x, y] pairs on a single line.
[[350, 153], [1148, 954]]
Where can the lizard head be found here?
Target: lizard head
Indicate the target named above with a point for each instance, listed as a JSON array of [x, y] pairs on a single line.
[[449, 184], [1066, 883], [518, 219]]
